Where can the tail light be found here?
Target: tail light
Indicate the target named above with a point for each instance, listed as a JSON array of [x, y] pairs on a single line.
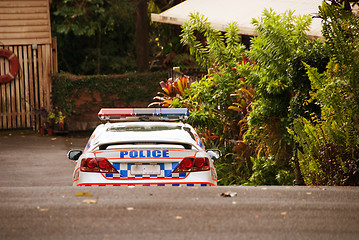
[[192, 164], [97, 165]]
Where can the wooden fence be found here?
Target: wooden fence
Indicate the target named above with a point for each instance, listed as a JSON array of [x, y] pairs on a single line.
[[22, 99], [25, 29]]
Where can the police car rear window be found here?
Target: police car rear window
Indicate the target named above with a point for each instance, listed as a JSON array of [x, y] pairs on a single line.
[[157, 144], [142, 128]]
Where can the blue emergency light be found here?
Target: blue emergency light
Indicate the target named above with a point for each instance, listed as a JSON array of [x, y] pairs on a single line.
[[143, 114]]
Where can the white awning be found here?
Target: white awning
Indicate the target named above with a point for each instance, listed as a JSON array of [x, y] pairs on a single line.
[[222, 12]]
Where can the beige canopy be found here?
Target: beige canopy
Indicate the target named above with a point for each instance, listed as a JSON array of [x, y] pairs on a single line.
[[222, 12]]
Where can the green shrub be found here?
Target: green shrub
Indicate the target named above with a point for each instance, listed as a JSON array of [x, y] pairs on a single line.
[[267, 172], [329, 140]]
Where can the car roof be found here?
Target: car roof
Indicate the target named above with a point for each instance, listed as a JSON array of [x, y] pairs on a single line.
[[122, 132]]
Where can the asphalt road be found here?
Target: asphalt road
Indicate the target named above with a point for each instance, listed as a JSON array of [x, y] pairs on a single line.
[[38, 202]]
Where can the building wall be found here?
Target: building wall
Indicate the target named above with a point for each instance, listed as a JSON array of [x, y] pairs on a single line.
[[24, 22]]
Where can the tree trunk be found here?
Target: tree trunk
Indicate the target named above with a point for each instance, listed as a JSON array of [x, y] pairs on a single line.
[[142, 38], [98, 50], [298, 174]]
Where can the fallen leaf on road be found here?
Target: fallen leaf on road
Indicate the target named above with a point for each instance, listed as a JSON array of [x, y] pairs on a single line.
[[42, 209], [228, 194], [81, 194], [90, 201]]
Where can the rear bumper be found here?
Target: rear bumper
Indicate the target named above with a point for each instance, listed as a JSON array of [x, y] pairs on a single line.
[[193, 179], [148, 184]]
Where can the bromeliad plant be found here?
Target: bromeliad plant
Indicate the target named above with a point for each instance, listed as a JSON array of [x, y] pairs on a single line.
[[173, 90]]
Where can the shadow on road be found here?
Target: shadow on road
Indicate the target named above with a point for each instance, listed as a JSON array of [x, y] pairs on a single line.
[[30, 159]]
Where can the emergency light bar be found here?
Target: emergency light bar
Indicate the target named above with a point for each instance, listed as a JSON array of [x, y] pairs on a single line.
[[143, 114]]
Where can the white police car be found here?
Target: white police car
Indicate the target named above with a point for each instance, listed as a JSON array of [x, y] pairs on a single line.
[[146, 147]]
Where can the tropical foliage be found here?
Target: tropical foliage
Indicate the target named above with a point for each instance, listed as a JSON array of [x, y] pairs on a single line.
[[289, 112], [220, 101], [173, 91], [329, 140], [281, 85]]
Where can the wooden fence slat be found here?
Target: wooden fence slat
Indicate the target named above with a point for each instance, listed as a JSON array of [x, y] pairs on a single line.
[[41, 76], [8, 99], [26, 88], [47, 78], [18, 88], [21, 79], [13, 99], [17, 94], [42, 87], [3, 96], [36, 88], [31, 89], [54, 64]]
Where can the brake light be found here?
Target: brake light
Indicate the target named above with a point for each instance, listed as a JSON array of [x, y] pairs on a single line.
[[186, 163], [199, 162], [91, 163], [192, 164], [97, 165]]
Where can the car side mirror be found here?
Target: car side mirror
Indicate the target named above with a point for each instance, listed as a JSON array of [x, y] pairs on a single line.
[[214, 153], [74, 154]]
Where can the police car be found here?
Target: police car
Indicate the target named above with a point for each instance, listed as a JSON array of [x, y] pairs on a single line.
[[145, 147]]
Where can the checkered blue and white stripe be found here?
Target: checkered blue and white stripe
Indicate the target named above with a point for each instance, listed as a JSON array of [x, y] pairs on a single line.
[[151, 185], [124, 170]]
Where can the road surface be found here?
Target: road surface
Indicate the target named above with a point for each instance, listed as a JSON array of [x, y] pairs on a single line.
[[38, 202]]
